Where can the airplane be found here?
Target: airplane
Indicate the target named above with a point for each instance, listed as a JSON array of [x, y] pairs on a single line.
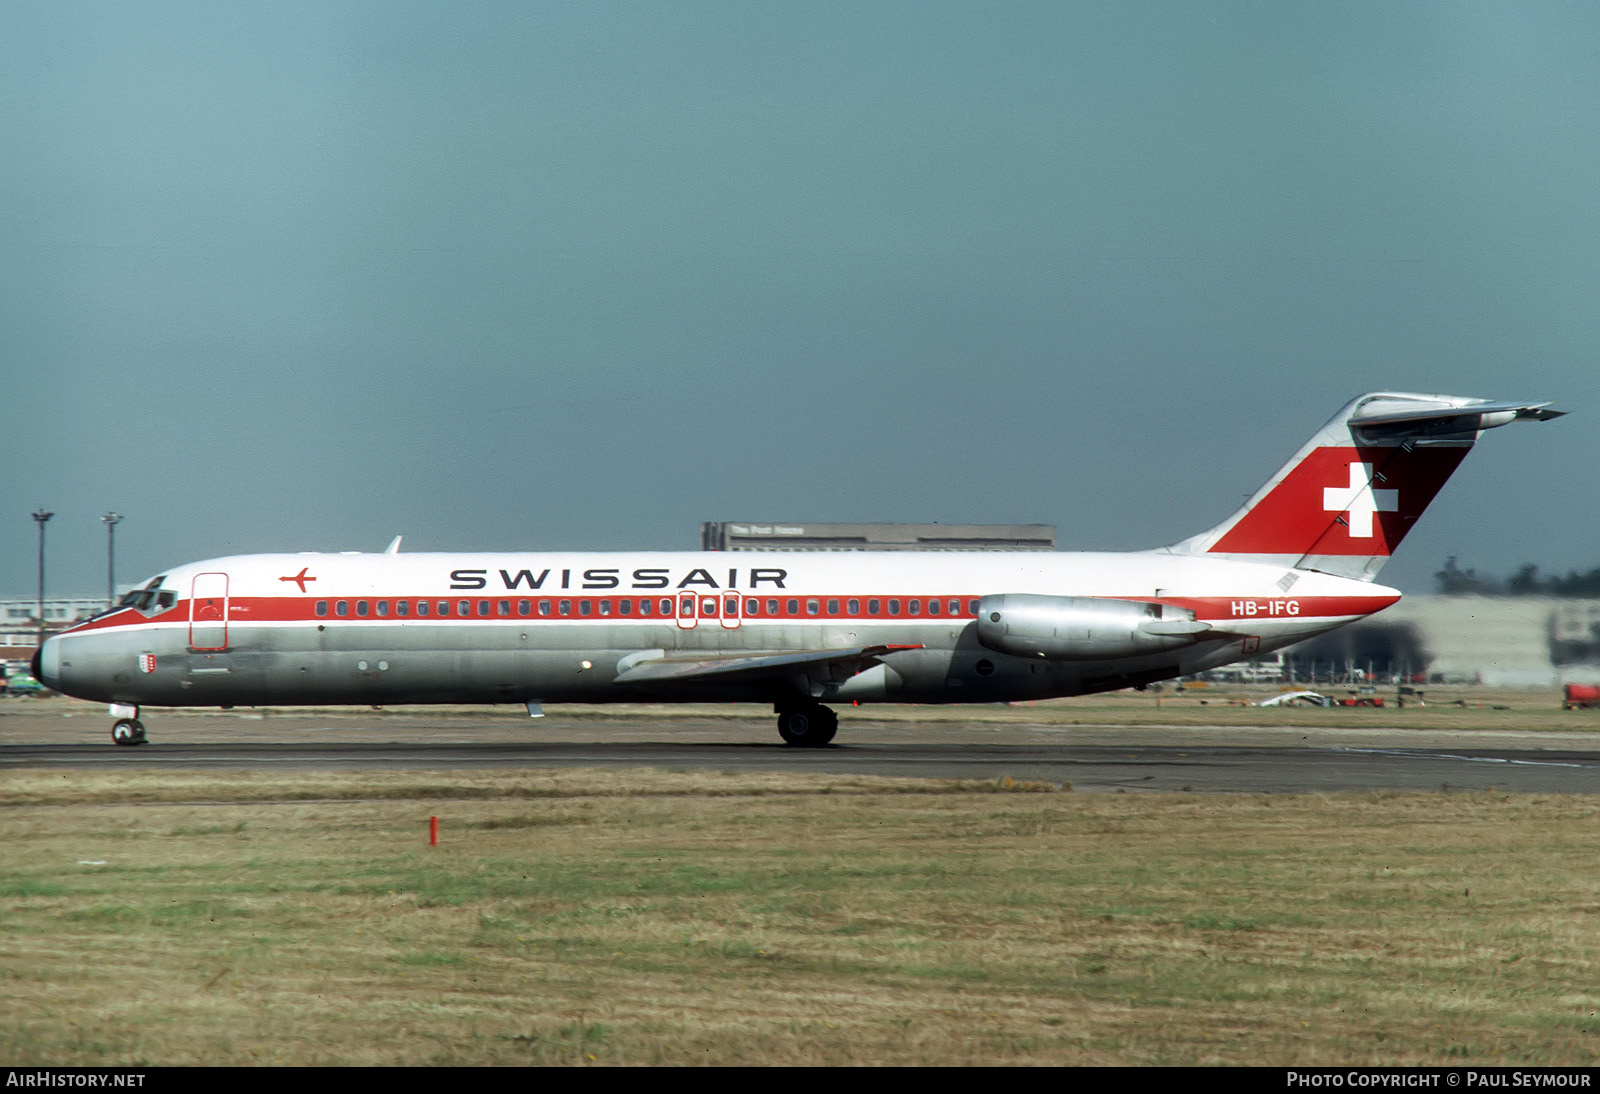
[[797, 630]]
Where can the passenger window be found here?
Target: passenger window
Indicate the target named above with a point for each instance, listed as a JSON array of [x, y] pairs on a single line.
[[772, 607], [812, 606], [322, 607], [402, 607], [933, 607], [794, 607], [686, 609], [853, 607], [463, 607], [730, 606], [894, 607], [444, 607], [361, 607], [645, 606], [342, 607], [955, 607], [752, 607], [605, 607], [544, 607], [972, 607], [503, 607], [914, 607], [483, 607], [383, 607], [565, 607], [833, 607], [708, 607], [422, 607], [872, 607], [666, 606], [524, 607]]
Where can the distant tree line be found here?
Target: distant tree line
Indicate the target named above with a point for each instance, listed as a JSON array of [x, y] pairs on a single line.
[[1527, 581]]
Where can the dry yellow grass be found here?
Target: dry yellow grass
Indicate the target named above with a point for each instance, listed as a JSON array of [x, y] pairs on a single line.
[[642, 917]]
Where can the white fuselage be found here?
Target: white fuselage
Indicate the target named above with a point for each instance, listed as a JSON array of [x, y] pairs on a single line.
[[515, 627]]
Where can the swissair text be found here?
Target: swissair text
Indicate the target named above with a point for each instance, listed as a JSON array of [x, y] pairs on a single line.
[[605, 578]]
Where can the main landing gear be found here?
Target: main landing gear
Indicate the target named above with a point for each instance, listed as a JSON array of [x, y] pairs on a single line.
[[127, 730], [810, 725]]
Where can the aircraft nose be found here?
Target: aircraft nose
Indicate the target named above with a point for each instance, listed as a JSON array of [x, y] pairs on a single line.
[[46, 664]]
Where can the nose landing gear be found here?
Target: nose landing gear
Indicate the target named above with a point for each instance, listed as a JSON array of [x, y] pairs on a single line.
[[809, 726], [127, 730]]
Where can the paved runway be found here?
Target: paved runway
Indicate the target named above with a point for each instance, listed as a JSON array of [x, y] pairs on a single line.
[[1104, 758]]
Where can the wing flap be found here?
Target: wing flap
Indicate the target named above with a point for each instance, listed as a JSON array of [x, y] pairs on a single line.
[[781, 663]]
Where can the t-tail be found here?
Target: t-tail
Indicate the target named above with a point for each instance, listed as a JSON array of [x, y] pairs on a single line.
[[1346, 500]]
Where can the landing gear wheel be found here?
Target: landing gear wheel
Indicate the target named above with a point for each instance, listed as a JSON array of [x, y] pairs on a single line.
[[129, 731], [807, 727]]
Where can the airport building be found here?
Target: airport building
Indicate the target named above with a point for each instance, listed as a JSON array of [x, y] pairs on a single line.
[[719, 535], [19, 621], [1501, 641]]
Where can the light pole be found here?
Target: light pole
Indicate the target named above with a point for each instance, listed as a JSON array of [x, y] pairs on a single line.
[[41, 515], [111, 557]]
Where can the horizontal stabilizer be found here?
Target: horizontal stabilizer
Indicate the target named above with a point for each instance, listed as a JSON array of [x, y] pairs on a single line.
[[1374, 421]]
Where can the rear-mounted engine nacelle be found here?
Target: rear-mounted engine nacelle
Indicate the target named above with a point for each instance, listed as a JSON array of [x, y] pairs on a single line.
[[1081, 628]]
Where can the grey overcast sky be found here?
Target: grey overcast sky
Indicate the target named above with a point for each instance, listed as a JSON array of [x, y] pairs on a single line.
[[547, 275]]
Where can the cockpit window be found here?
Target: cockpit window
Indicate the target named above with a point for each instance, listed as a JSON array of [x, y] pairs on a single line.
[[147, 600], [144, 599]]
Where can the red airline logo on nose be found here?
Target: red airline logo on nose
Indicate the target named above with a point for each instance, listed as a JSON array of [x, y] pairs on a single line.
[[299, 578]]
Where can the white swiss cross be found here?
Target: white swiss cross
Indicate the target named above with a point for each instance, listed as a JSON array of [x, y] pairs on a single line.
[[1359, 500]]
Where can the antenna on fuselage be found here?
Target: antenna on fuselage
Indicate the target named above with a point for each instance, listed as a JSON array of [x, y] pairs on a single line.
[[394, 546]]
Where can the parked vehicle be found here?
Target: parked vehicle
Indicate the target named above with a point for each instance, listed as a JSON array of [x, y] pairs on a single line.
[[1581, 697], [18, 680], [1297, 698], [1362, 701]]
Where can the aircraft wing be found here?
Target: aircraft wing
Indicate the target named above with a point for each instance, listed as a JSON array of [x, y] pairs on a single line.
[[657, 666]]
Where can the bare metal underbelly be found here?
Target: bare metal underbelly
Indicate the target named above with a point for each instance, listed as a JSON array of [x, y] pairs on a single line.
[[390, 665]]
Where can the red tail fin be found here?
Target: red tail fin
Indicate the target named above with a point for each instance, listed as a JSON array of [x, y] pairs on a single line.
[[1347, 499]]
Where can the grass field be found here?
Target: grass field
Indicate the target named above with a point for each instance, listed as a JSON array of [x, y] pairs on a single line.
[[650, 917]]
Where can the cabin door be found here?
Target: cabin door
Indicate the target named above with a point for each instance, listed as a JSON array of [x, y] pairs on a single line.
[[208, 612]]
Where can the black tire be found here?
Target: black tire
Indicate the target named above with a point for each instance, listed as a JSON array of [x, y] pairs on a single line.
[[830, 726], [807, 727], [128, 732]]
